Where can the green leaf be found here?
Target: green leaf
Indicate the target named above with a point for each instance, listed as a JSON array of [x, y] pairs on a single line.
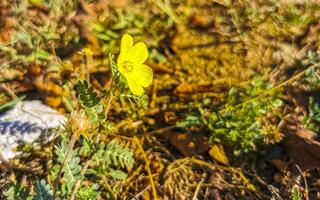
[[10, 104], [90, 101], [88, 192], [71, 167], [317, 117], [190, 120], [42, 55], [114, 154], [140, 101], [296, 195], [117, 174], [240, 125], [15, 191], [103, 36], [43, 191]]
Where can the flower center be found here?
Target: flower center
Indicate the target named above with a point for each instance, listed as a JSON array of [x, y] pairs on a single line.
[[127, 66]]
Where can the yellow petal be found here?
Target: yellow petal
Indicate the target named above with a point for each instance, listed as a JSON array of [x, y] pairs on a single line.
[[126, 45], [135, 87], [138, 53], [142, 74]]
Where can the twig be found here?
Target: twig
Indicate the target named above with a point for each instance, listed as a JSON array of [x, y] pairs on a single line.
[[109, 104], [181, 163], [195, 196], [274, 191], [154, 191], [270, 91], [88, 61], [107, 186], [317, 75], [6, 163], [305, 182], [4, 87], [229, 169], [159, 131], [140, 193]]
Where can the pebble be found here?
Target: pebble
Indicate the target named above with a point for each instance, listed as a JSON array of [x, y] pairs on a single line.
[[27, 122]]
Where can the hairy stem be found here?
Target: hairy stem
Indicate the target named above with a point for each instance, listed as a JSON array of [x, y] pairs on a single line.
[[72, 142]]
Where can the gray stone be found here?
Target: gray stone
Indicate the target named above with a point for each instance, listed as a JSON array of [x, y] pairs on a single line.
[[27, 122]]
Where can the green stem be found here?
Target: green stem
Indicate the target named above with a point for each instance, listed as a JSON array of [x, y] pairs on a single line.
[[86, 165], [70, 147]]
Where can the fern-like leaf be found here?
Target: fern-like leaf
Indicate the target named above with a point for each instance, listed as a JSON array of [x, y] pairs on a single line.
[[140, 101], [71, 167], [43, 191], [114, 154], [87, 96], [90, 101]]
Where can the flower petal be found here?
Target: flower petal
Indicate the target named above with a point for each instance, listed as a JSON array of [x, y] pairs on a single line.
[[138, 53], [142, 74], [126, 45], [135, 87]]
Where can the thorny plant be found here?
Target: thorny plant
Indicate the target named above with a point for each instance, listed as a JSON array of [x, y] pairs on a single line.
[[86, 161]]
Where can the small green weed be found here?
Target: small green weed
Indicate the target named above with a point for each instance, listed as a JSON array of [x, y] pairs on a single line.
[[312, 120], [243, 124]]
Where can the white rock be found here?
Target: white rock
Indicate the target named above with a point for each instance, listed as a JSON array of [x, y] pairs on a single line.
[[26, 122]]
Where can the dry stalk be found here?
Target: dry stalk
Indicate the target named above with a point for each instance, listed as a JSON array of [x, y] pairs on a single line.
[[154, 191]]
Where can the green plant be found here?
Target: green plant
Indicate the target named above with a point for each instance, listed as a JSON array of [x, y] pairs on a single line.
[[120, 81], [38, 37], [312, 78], [141, 101], [166, 7], [70, 168], [43, 191], [16, 191], [109, 29], [90, 101], [296, 195], [242, 123], [312, 120], [87, 163], [89, 192], [113, 155]]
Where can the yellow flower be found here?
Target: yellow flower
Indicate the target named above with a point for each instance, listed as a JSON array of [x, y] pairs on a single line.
[[130, 65]]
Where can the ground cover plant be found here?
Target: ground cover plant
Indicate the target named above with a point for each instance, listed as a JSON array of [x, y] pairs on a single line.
[[164, 99]]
